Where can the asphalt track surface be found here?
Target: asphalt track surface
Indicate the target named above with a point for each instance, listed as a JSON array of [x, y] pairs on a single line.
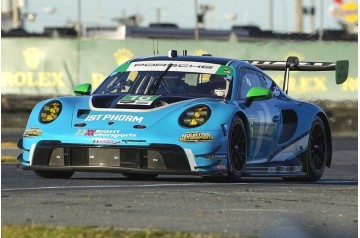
[[266, 207]]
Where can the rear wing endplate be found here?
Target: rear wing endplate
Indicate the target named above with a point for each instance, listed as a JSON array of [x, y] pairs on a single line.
[[341, 68]]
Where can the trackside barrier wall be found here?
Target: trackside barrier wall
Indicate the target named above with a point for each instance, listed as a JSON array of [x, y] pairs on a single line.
[[40, 67]]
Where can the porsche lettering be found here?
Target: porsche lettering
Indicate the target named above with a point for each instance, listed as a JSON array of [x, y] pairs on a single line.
[[200, 66]]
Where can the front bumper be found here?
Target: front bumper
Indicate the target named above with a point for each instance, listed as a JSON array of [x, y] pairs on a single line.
[[155, 158]]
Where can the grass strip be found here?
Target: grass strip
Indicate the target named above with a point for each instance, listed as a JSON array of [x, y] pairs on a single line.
[[8, 159], [10, 145], [41, 231]]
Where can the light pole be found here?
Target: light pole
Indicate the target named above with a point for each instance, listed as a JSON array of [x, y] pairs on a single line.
[[271, 15], [78, 22], [321, 30], [196, 29], [298, 16], [15, 15]]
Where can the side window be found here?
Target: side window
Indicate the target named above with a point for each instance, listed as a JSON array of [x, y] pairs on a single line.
[[270, 84], [249, 78]]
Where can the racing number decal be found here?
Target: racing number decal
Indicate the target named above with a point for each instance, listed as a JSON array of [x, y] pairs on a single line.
[[263, 129], [138, 99]]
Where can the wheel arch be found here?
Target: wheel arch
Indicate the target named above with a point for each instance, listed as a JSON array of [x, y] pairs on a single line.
[[325, 121]]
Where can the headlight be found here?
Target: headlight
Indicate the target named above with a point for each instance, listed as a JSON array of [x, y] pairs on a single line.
[[50, 111], [195, 116]]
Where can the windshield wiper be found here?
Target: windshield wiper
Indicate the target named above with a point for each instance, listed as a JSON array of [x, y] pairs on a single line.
[[158, 81]]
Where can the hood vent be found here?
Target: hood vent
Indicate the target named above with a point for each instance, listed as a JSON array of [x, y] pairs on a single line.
[[82, 113]]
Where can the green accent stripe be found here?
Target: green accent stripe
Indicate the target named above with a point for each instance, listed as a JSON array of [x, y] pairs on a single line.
[[123, 67], [225, 70]]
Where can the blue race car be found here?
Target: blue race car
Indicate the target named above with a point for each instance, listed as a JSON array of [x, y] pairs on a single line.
[[189, 115]]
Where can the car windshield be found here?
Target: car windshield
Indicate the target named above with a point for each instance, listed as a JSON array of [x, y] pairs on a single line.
[[165, 83]]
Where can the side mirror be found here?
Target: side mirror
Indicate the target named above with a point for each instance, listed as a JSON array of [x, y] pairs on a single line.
[[257, 93], [83, 89]]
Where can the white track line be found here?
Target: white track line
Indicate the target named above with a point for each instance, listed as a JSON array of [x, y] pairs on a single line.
[[350, 182], [111, 186]]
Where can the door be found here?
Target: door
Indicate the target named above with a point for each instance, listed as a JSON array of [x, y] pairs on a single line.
[[264, 117]]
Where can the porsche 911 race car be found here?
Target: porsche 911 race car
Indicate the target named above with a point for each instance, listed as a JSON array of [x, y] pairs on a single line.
[[188, 115]]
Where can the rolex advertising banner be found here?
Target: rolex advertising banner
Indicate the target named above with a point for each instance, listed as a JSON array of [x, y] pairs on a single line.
[[41, 67]]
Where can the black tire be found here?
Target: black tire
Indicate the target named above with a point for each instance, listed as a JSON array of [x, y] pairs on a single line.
[[315, 159], [140, 176], [317, 151], [237, 149], [53, 174]]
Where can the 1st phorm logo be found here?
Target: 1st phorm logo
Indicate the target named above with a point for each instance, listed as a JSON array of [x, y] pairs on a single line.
[[109, 117], [102, 133]]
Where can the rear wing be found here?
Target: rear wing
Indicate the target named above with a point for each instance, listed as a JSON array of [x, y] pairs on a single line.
[[292, 63]]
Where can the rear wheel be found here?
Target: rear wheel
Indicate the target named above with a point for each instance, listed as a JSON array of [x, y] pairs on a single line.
[[317, 152], [315, 159], [140, 176], [237, 149], [53, 174]]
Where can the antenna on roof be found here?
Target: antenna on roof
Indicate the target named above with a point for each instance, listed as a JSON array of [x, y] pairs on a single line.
[[157, 46], [154, 46]]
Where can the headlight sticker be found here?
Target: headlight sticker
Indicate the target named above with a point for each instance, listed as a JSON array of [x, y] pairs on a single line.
[[50, 111]]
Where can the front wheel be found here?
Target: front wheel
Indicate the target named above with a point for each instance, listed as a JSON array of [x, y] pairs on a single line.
[[53, 174], [237, 149]]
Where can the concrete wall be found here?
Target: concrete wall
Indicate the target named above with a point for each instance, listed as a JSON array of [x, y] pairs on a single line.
[[33, 69], [32, 66]]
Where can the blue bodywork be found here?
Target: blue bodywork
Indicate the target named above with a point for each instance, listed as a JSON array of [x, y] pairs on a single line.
[[138, 133]]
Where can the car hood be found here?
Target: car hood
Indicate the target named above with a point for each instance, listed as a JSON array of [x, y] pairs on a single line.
[[126, 112]]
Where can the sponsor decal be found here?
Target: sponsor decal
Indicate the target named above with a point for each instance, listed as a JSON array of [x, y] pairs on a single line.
[[33, 131], [137, 99], [114, 117], [122, 55], [221, 167], [33, 57], [219, 156], [284, 169], [103, 133], [196, 136], [105, 141]]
